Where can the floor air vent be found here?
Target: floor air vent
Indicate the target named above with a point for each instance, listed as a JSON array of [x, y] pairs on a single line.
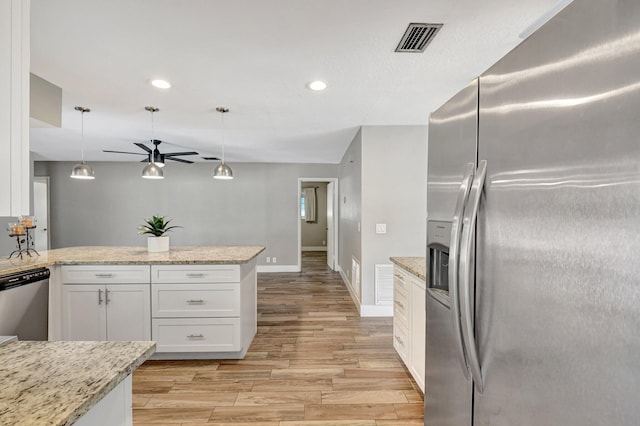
[[417, 37]]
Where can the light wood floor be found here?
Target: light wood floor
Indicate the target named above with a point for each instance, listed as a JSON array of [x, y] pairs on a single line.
[[314, 361]]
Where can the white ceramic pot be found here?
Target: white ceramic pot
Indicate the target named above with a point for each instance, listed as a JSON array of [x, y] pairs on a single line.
[[157, 244]]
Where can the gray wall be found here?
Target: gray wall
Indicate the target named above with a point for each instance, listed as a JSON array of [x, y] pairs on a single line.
[[383, 176], [260, 206], [314, 234], [349, 192], [394, 192]]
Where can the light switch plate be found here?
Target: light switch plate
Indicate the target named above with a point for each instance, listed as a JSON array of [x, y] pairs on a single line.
[[381, 228]]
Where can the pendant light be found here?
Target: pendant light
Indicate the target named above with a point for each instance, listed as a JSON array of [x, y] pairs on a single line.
[[222, 171], [153, 170], [82, 170]]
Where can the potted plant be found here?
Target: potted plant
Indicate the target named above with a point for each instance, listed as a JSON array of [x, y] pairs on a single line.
[[156, 227]]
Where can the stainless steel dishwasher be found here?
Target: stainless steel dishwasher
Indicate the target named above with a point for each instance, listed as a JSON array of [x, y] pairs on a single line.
[[24, 304]]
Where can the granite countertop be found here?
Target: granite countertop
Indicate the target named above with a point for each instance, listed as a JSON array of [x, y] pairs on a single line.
[[106, 255], [55, 383], [415, 265]]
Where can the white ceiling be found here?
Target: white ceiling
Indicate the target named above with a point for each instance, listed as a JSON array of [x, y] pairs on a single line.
[[255, 57]]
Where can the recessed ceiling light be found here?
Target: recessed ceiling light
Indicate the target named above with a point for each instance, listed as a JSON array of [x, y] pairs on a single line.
[[317, 85], [161, 84]]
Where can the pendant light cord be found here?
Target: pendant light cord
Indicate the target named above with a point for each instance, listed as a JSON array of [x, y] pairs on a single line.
[[82, 134], [222, 122]]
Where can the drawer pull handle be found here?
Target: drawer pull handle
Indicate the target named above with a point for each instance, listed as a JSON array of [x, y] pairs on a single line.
[[400, 305], [400, 340], [104, 275], [195, 336], [195, 302], [192, 275]]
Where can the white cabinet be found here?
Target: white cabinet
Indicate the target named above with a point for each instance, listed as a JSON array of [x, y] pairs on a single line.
[[106, 302], [409, 322], [203, 309], [14, 107]]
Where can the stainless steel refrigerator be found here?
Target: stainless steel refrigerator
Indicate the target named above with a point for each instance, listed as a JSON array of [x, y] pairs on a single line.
[[533, 301]]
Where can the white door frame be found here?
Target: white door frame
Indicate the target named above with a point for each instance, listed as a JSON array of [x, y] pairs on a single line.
[[45, 180], [335, 218]]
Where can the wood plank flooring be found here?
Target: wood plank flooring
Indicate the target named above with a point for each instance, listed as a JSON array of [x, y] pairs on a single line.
[[313, 362]]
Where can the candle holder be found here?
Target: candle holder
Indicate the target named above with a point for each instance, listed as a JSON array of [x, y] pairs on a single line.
[[23, 233]]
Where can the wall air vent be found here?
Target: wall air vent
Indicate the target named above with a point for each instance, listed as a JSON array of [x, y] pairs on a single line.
[[417, 37]]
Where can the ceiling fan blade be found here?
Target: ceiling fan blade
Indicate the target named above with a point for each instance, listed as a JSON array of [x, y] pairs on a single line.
[[143, 146], [179, 159], [124, 152], [211, 158], [174, 154]]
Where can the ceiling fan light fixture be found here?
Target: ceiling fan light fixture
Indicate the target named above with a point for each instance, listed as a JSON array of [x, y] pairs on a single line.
[[152, 171], [82, 170], [161, 84], [317, 86]]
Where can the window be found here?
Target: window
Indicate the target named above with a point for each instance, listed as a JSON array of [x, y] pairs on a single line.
[[302, 208]]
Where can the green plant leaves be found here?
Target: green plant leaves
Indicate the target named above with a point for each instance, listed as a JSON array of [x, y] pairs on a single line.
[[156, 226]]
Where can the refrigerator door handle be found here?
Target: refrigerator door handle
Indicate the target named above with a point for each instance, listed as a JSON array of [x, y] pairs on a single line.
[[466, 257], [454, 256]]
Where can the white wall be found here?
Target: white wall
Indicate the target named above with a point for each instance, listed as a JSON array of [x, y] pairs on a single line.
[[260, 206]]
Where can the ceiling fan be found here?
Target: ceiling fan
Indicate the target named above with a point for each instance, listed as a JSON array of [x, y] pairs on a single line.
[[154, 155]]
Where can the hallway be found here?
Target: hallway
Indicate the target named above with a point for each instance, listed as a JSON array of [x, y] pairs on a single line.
[[314, 361]]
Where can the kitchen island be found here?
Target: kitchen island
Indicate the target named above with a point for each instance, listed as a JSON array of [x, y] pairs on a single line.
[[195, 302], [64, 383]]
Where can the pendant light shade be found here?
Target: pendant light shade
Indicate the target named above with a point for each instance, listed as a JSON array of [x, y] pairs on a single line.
[[82, 170], [152, 171], [223, 171]]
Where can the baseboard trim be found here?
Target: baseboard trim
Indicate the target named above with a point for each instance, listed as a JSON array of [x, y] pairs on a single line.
[[277, 268], [314, 248], [376, 310], [347, 284]]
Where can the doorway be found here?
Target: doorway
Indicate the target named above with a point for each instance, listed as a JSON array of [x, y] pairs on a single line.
[[41, 212], [319, 233]]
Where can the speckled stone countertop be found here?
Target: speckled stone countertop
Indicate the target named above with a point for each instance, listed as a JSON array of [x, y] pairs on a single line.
[[416, 265], [106, 255], [55, 383]]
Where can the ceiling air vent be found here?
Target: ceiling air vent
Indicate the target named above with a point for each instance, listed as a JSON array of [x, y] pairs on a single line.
[[417, 37]]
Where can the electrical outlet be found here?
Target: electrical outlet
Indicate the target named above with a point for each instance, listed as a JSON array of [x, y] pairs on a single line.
[[381, 228], [274, 259], [268, 260]]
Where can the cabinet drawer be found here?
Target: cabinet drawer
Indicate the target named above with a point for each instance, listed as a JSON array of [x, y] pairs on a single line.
[[400, 279], [105, 274], [401, 341], [195, 273], [400, 306], [195, 300], [197, 334]]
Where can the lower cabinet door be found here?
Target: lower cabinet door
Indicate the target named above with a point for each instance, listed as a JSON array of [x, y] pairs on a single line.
[[196, 334], [128, 312], [84, 312]]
